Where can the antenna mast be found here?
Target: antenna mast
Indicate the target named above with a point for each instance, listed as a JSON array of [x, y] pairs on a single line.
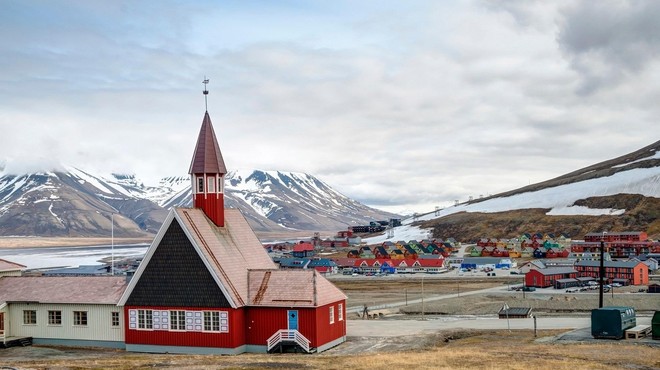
[[206, 93]]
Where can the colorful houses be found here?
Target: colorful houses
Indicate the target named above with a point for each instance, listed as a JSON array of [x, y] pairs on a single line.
[[206, 284], [391, 266]]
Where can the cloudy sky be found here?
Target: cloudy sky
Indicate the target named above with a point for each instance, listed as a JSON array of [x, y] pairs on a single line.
[[403, 105]]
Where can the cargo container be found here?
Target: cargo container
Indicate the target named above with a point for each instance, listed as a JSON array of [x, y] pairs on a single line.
[[612, 322], [655, 325]]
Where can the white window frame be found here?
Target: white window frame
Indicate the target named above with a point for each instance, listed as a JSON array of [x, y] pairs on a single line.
[[80, 318], [210, 184], [332, 314], [177, 320], [54, 314], [200, 189], [145, 320], [340, 312], [212, 321], [28, 315]]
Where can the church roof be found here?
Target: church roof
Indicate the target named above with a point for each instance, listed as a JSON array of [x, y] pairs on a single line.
[[240, 266], [291, 288], [228, 252], [231, 250], [207, 157]]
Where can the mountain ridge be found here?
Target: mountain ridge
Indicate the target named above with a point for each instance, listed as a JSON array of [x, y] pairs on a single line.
[[78, 203], [619, 194]]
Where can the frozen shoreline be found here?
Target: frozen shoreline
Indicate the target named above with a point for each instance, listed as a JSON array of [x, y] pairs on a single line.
[[44, 257]]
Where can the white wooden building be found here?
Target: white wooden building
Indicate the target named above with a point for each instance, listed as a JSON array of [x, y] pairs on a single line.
[[69, 311], [8, 268]]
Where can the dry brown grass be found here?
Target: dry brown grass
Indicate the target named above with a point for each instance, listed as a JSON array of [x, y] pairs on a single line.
[[466, 350], [377, 291]]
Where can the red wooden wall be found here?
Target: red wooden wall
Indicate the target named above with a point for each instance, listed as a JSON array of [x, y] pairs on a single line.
[[233, 339]]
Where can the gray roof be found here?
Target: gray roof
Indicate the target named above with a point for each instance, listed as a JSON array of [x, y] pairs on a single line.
[[626, 264], [557, 271], [516, 311], [80, 270], [569, 280], [586, 278], [485, 260]]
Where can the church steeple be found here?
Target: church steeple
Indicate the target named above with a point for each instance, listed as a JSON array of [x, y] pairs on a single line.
[[207, 173]]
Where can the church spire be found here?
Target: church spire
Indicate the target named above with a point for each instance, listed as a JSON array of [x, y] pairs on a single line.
[[207, 171]]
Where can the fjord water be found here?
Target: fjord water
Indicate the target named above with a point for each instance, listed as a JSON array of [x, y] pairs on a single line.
[[44, 257]]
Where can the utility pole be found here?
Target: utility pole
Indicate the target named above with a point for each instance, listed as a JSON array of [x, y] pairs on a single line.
[[422, 297], [601, 271], [112, 241]]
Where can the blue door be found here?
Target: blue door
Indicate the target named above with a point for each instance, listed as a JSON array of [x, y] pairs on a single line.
[[293, 319]]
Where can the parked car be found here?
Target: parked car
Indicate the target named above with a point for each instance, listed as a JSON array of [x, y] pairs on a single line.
[[528, 289], [513, 272]]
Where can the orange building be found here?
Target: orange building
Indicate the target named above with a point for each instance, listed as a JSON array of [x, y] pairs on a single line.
[[634, 272]]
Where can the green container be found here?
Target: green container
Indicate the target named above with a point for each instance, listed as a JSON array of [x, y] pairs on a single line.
[[612, 322], [655, 325]]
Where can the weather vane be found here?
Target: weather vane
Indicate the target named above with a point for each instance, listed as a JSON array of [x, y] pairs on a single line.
[[206, 93]]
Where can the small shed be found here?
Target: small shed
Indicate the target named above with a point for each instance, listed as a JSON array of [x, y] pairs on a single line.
[[624, 282], [654, 288], [515, 312], [584, 280], [566, 283]]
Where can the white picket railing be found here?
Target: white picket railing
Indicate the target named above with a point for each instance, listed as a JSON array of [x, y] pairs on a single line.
[[290, 336]]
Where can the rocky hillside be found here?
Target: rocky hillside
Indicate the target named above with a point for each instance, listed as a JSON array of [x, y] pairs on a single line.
[[643, 213], [622, 194]]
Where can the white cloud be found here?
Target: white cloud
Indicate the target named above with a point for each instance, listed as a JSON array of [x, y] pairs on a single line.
[[400, 105]]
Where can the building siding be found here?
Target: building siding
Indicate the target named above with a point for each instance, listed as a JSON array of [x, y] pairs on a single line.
[[165, 337], [99, 322], [176, 276], [325, 331], [262, 322], [11, 273], [313, 323]]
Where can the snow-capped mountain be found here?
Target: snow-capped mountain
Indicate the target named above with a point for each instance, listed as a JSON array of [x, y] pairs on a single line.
[[621, 194], [77, 203]]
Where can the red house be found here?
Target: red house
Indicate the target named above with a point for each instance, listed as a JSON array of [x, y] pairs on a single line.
[[542, 278], [206, 284]]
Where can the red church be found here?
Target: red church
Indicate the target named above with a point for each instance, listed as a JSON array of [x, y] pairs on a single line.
[[206, 284]]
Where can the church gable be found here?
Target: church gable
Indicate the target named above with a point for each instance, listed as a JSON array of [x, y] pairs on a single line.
[[176, 276]]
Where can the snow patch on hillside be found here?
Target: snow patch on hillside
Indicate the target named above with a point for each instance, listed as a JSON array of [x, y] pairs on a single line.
[[644, 181], [85, 177], [582, 210]]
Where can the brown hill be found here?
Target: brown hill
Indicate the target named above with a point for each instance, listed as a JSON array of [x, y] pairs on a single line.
[[642, 214]]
